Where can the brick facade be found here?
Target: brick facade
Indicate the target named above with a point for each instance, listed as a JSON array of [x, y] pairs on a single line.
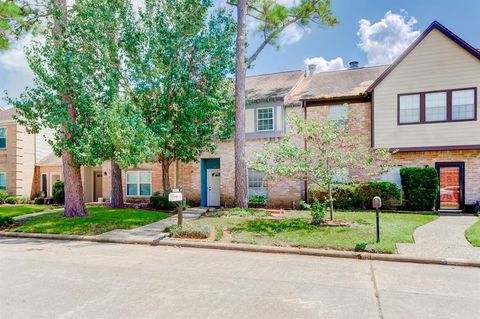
[[471, 158]]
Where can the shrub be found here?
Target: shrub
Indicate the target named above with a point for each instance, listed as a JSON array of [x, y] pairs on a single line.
[[39, 200], [304, 205], [241, 212], [158, 201], [318, 212], [6, 221], [257, 201], [11, 200], [343, 195], [189, 231], [420, 186], [58, 193], [22, 200], [3, 196], [388, 192]]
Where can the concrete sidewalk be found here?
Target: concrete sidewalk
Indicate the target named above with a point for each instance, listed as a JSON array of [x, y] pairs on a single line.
[[443, 238], [49, 211], [153, 231]]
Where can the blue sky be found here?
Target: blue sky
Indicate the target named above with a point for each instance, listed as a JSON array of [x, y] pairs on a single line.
[[386, 28], [460, 16]]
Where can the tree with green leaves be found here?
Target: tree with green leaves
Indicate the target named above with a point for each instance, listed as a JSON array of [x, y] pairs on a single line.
[[181, 52], [62, 99], [335, 150], [119, 134], [271, 17], [12, 21]]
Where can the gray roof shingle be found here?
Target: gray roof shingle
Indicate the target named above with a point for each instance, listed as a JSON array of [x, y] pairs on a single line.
[[50, 160], [337, 84], [270, 87]]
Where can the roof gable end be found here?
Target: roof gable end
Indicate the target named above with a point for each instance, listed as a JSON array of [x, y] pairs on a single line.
[[435, 25]]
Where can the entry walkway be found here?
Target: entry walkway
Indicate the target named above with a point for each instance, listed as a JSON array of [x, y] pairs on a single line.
[[49, 211], [443, 238], [154, 231]]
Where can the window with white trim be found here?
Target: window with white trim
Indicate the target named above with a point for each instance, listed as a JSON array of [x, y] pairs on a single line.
[[436, 106], [3, 138], [410, 108], [3, 181], [139, 183], [265, 119], [338, 113], [463, 102], [257, 184]]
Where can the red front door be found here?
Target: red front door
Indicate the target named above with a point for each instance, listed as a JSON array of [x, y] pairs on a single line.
[[451, 186]]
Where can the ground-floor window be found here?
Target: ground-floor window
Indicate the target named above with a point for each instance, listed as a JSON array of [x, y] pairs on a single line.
[[44, 184], [392, 176], [3, 181], [139, 183], [257, 184]]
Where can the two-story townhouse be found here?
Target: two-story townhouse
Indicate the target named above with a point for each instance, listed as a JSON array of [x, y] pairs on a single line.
[[425, 107], [17, 156]]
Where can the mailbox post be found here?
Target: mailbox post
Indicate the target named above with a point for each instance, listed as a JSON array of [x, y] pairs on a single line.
[[377, 203], [176, 196]]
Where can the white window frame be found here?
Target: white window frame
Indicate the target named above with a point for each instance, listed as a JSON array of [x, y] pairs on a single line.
[[265, 181], [6, 141], [138, 183], [51, 180], [4, 173], [257, 119]]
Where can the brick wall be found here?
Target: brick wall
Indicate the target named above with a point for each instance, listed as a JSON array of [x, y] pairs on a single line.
[[470, 157]]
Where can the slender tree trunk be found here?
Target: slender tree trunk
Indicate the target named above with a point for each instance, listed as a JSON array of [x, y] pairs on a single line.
[[330, 200], [241, 189], [116, 195], [72, 180], [165, 177]]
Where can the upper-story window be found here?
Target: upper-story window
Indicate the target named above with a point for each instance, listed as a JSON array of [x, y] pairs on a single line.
[[463, 104], [338, 113], [139, 183], [409, 108], [438, 106], [3, 138], [265, 119]]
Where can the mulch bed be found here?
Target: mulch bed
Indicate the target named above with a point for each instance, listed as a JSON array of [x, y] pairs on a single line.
[[2, 228]]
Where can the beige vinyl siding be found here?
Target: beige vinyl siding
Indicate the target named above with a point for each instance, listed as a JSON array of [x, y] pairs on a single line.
[[437, 63]]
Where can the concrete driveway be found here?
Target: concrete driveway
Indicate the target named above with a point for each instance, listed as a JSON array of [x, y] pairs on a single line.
[[56, 279]]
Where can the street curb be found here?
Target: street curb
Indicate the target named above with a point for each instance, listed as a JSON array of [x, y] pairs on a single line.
[[254, 248]]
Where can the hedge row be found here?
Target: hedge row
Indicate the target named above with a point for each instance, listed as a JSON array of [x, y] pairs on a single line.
[[359, 195], [420, 187]]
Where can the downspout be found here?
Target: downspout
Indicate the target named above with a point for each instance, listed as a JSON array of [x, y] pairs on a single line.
[[305, 185]]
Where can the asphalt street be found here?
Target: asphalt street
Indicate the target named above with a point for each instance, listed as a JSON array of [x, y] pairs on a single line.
[[60, 279]]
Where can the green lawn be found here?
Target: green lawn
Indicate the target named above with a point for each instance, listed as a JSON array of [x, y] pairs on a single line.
[[473, 234], [293, 229], [101, 220], [17, 210]]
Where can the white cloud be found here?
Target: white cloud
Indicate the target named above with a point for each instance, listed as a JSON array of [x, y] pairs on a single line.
[[322, 65], [292, 34], [16, 74], [385, 40]]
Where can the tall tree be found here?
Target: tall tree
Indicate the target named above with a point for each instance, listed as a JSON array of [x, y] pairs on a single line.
[[272, 18], [121, 135], [59, 100], [184, 51], [12, 21]]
